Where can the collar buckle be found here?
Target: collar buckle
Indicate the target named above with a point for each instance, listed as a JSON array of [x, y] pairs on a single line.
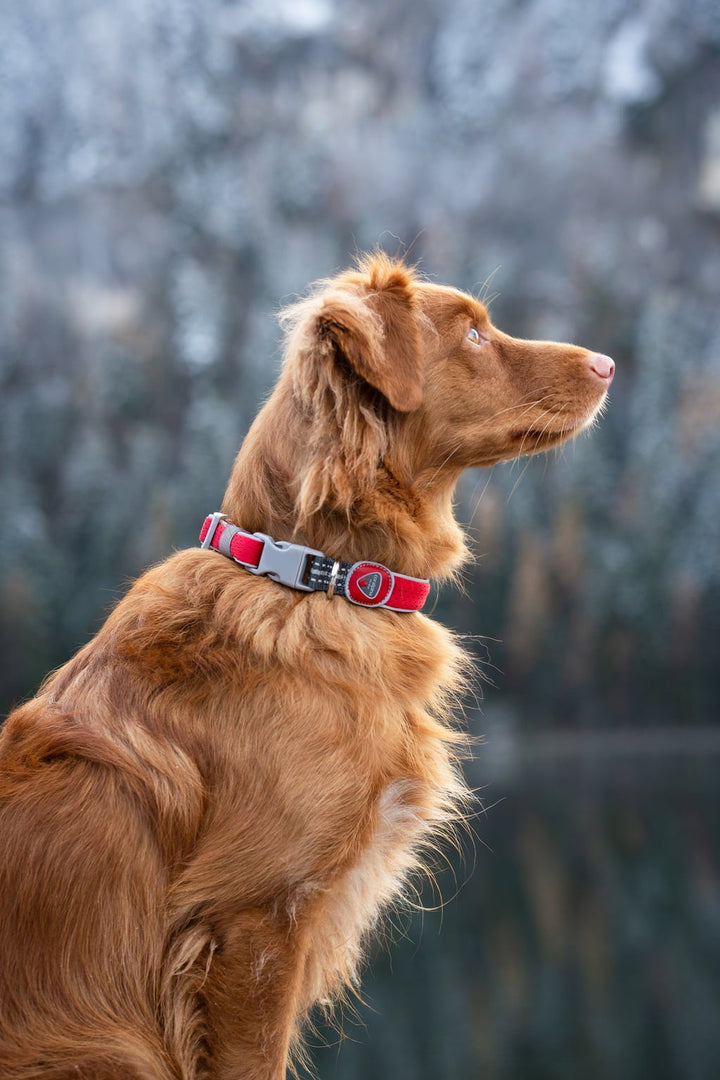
[[286, 563]]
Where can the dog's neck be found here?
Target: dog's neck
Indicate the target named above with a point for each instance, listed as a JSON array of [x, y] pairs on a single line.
[[408, 525]]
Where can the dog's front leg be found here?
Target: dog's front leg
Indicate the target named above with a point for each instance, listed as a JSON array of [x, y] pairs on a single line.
[[251, 996]]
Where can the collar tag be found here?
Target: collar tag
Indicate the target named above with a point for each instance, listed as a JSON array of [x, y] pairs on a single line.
[[369, 584]]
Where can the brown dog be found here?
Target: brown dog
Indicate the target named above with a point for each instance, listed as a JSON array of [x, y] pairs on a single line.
[[204, 812]]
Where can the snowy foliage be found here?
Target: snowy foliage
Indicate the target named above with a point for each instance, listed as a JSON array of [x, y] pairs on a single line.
[[171, 171]]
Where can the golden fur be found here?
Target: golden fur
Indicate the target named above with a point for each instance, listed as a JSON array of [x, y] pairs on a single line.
[[204, 812]]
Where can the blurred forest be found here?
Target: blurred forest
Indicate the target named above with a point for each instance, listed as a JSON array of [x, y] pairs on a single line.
[[171, 171]]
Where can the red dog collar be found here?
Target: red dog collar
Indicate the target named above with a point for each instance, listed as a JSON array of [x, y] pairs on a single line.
[[368, 584]]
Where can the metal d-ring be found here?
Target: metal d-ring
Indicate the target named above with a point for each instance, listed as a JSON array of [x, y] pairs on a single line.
[[333, 579]]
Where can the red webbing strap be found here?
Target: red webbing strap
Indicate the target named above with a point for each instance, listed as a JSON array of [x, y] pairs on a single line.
[[246, 549], [408, 594]]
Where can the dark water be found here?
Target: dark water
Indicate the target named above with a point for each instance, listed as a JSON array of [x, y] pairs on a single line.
[[584, 942]]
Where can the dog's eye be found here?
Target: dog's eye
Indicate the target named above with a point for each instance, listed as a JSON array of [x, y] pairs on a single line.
[[474, 336]]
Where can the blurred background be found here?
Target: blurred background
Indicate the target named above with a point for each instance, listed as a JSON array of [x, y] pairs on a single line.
[[171, 171]]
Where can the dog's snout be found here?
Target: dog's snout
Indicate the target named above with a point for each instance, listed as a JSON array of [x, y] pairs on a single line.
[[602, 365]]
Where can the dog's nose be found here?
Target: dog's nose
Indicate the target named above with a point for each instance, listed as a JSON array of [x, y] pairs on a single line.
[[602, 365]]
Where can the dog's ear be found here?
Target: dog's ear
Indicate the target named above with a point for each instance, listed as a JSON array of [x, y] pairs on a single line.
[[356, 331], [374, 330]]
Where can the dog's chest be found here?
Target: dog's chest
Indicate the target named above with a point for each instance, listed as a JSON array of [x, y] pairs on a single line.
[[406, 813], [385, 781]]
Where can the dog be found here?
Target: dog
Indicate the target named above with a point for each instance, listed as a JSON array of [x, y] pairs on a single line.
[[205, 812]]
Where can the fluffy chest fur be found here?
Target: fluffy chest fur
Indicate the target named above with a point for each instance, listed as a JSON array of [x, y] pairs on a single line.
[[306, 709]]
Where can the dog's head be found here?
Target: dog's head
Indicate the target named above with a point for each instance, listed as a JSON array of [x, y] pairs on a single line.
[[490, 397], [391, 369]]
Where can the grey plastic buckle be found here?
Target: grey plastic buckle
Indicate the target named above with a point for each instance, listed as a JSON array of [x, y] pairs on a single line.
[[284, 562], [215, 520]]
